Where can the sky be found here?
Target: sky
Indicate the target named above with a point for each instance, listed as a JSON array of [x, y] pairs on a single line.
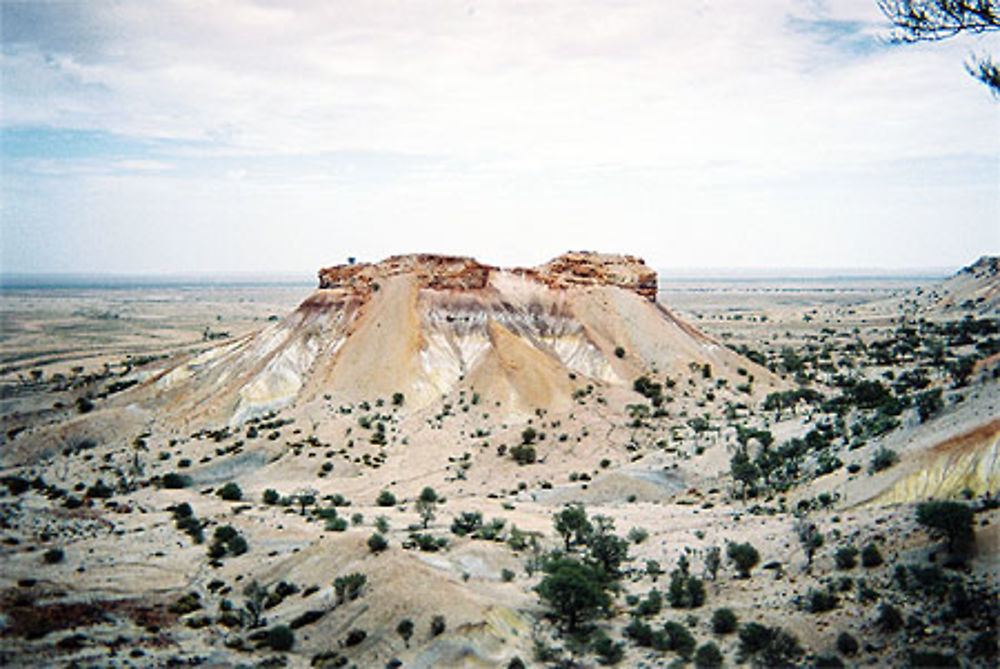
[[250, 136]]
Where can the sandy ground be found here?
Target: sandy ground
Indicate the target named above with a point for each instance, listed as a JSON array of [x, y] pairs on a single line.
[[125, 553]]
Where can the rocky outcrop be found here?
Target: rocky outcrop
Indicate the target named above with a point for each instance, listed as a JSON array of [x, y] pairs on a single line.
[[457, 273]]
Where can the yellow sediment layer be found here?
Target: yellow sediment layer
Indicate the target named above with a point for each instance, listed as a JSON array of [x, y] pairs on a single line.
[[967, 462]]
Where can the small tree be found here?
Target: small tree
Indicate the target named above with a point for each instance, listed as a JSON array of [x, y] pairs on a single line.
[[743, 471], [386, 498], [810, 538], [952, 520], [254, 596], [573, 590], [744, 556], [427, 505], [607, 549], [713, 560], [572, 524], [271, 497]]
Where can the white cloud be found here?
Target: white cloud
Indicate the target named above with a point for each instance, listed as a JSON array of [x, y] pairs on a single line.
[[639, 111]]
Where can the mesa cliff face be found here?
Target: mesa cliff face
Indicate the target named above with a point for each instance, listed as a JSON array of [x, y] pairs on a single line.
[[440, 272], [427, 325]]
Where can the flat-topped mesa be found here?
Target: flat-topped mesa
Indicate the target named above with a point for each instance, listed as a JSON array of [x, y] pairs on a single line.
[[441, 272], [437, 272], [586, 268]]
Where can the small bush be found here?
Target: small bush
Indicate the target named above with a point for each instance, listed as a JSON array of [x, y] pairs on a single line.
[[679, 639], [175, 481], [847, 644], [335, 524], [280, 638], [637, 535], [744, 556], [524, 454], [466, 523], [846, 558], [889, 619], [608, 652], [230, 492], [883, 459], [99, 490], [349, 587], [271, 497], [819, 601], [386, 498], [933, 660], [507, 575], [438, 625], [724, 621], [708, 656], [354, 637], [53, 556], [870, 556], [377, 543], [405, 630]]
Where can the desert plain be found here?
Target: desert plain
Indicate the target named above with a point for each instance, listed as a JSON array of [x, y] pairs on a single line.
[[403, 466]]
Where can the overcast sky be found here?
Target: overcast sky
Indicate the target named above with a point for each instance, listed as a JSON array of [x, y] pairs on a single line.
[[253, 136]]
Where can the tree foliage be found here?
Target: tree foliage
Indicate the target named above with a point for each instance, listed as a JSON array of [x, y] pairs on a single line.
[[575, 591], [931, 20], [953, 520]]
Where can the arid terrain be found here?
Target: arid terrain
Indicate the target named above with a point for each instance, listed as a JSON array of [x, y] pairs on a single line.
[[431, 462]]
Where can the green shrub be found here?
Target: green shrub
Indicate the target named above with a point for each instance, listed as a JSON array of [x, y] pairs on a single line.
[[335, 524], [405, 630], [847, 644], [819, 601], [349, 587], [466, 522], [438, 625], [280, 638], [507, 575], [637, 535], [933, 660], [889, 619], [686, 592], [99, 490], [744, 556], [953, 521], [679, 639], [708, 656], [870, 556], [230, 492], [377, 543], [524, 454], [608, 652], [883, 459], [175, 481], [53, 556], [386, 498], [846, 558], [271, 497], [724, 621], [650, 606], [355, 637]]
